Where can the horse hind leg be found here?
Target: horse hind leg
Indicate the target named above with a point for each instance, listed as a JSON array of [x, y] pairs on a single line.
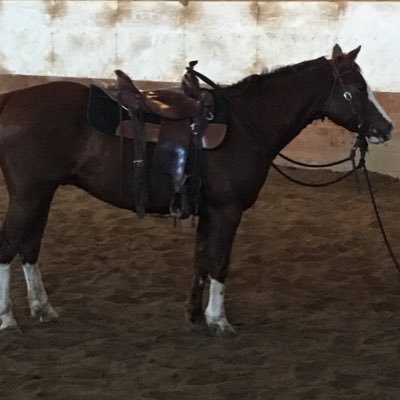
[[194, 305], [21, 233], [8, 250], [29, 253]]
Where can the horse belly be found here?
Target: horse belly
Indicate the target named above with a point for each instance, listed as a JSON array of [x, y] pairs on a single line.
[[108, 175]]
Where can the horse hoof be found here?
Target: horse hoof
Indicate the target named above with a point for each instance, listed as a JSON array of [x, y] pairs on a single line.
[[45, 313], [219, 330], [8, 322], [220, 327]]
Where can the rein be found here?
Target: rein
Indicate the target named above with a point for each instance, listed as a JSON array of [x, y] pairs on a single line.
[[351, 157], [361, 144]]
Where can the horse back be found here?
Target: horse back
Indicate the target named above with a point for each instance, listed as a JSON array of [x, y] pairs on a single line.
[[41, 108], [42, 99]]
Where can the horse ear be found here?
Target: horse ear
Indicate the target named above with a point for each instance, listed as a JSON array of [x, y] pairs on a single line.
[[352, 55], [336, 51]]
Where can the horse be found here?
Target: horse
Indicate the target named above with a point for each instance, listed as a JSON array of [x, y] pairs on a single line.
[[46, 141]]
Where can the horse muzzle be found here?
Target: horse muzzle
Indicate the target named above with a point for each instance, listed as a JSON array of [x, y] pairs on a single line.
[[376, 136]]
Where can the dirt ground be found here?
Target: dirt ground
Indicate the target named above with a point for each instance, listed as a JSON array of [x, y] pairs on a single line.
[[312, 293]]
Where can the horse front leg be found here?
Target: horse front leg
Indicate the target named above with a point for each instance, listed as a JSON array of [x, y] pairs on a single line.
[[221, 228], [21, 233], [29, 249]]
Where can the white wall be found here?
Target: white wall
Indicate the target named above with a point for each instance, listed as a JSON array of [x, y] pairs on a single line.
[[153, 40]]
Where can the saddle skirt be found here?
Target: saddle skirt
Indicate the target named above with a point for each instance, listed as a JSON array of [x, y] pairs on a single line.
[[212, 138]]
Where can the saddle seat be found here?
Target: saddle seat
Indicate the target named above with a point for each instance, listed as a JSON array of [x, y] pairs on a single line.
[[167, 103], [170, 104]]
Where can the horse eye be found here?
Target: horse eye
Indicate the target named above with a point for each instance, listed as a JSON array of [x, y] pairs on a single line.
[[347, 96]]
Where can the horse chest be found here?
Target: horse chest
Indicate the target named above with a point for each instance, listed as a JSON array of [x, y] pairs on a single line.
[[234, 176]]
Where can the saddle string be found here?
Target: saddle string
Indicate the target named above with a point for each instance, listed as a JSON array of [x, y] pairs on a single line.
[[121, 146], [198, 127], [204, 78], [139, 156]]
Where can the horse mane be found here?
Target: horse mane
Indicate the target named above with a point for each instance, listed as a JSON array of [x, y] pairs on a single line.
[[251, 84]]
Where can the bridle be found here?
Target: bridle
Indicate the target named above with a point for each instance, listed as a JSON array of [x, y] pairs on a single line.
[[346, 94], [337, 81]]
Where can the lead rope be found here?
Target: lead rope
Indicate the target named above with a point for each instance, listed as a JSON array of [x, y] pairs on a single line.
[[378, 218], [362, 165], [361, 144]]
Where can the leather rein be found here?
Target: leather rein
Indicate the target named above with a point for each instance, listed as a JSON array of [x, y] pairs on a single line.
[[360, 143]]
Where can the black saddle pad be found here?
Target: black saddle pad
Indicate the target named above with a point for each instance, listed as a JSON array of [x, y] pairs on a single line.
[[104, 112]]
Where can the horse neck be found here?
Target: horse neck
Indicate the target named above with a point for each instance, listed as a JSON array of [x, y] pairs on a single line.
[[287, 102]]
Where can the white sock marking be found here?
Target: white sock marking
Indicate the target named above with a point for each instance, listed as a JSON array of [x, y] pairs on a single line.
[[37, 295], [5, 281], [215, 309], [6, 315]]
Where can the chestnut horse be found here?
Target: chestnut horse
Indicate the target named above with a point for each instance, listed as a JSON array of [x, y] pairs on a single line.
[[46, 141]]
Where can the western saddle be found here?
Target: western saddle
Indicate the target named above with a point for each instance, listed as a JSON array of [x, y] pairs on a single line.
[[183, 117]]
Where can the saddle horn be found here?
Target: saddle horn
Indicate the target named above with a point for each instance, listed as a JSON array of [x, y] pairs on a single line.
[[192, 64]]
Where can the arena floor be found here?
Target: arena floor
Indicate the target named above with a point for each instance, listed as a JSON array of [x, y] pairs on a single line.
[[312, 293]]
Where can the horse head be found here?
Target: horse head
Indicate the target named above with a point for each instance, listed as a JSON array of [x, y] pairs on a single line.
[[351, 102]]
